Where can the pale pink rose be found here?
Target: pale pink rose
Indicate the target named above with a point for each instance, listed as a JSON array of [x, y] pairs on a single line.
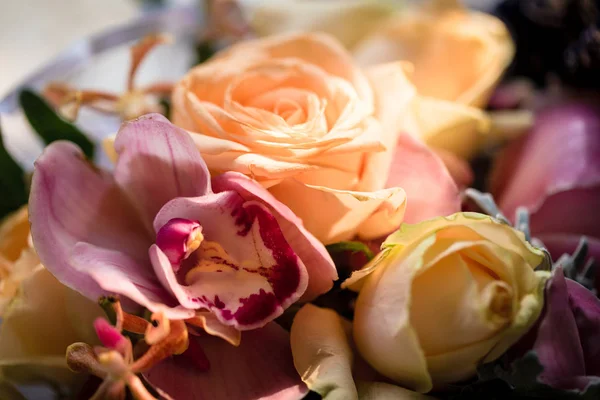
[[295, 113]]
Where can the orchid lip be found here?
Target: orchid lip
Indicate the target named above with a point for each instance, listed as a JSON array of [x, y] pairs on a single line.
[[178, 239]]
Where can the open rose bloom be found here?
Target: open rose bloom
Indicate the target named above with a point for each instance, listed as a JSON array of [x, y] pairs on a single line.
[[326, 138], [161, 234]]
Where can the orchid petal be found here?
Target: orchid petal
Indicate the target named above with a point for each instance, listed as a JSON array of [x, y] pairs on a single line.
[[72, 202], [319, 265], [211, 325], [247, 274], [430, 190], [260, 368], [158, 162], [118, 273]]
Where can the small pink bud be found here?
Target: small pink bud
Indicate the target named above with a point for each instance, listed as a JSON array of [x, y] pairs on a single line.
[[109, 335], [179, 238]]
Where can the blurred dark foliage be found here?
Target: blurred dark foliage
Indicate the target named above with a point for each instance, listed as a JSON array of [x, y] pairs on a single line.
[[560, 37]]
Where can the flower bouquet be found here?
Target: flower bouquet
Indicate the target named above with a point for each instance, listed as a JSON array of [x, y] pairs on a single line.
[[342, 200]]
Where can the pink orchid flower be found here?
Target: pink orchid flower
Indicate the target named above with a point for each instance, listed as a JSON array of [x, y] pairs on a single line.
[[160, 233]]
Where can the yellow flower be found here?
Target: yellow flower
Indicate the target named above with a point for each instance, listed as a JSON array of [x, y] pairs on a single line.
[[324, 357], [444, 296], [40, 316], [458, 57], [17, 258]]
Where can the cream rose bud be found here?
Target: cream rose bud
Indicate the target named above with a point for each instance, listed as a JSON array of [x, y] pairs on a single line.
[[444, 296]]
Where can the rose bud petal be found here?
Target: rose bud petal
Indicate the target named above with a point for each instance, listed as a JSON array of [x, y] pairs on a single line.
[[444, 296]]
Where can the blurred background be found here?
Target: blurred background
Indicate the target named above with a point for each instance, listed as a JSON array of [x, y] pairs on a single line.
[[32, 32]]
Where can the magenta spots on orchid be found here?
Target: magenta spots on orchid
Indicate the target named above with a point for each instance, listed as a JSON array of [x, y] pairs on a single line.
[[256, 307], [284, 276]]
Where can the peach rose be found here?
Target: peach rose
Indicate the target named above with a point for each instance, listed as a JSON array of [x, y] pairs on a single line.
[[295, 113]]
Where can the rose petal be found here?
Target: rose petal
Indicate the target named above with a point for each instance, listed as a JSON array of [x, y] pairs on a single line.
[[393, 92], [336, 215], [431, 191], [397, 355], [322, 353], [320, 267], [71, 202], [459, 169], [319, 49], [260, 274], [456, 128], [260, 368], [158, 162], [432, 35]]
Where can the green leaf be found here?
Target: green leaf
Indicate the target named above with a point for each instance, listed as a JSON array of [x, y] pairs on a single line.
[[165, 102], [204, 50], [13, 188], [49, 126], [352, 247]]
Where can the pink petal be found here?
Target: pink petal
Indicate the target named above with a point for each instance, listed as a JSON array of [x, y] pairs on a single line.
[[586, 309], [109, 335], [158, 162], [554, 171], [258, 276], [120, 274], [430, 190], [566, 243], [557, 343], [320, 266], [570, 211], [73, 202], [260, 368]]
